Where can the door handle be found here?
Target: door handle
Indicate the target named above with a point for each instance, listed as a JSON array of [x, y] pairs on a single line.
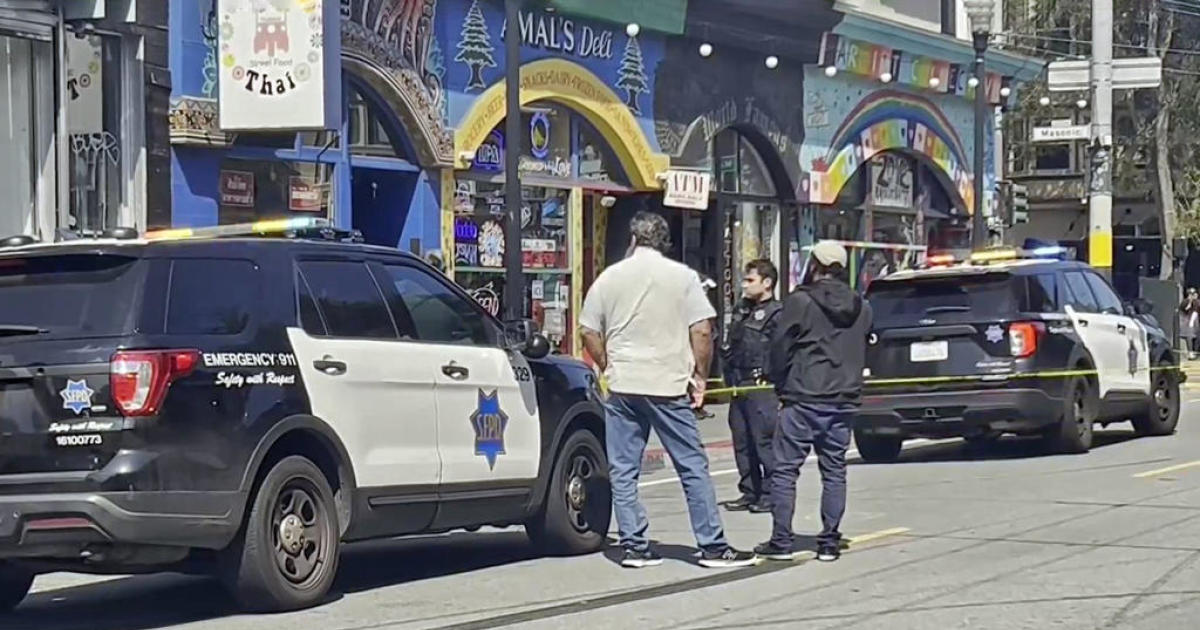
[[455, 371], [1083, 323], [330, 367], [1121, 328]]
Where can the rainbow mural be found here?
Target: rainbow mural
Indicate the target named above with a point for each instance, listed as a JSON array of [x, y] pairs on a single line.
[[890, 120]]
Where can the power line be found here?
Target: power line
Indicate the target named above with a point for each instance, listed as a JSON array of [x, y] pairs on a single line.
[[1170, 51]]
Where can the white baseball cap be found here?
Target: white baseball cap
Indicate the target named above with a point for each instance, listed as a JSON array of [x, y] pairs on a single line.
[[829, 253]]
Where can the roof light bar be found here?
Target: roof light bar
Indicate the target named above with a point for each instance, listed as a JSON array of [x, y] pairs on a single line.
[[994, 255], [273, 226]]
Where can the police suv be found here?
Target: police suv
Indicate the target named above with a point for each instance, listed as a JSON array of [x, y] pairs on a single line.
[[1010, 342], [215, 401]]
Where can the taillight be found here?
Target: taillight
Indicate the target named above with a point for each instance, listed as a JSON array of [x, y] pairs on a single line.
[[1023, 338], [139, 380]]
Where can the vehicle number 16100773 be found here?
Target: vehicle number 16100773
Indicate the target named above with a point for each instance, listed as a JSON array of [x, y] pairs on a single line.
[[79, 440]]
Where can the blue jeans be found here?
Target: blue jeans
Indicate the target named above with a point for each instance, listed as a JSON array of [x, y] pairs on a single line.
[[803, 426], [627, 425]]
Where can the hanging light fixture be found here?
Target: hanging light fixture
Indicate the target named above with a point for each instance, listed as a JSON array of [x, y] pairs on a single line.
[[772, 62], [1044, 101], [633, 29], [831, 71], [886, 77], [973, 82], [706, 49]]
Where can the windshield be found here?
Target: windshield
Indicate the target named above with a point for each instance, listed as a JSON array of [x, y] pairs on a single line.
[[947, 299], [67, 296]]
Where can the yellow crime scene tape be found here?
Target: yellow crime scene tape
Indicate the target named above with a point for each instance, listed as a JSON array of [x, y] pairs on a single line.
[[933, 380]]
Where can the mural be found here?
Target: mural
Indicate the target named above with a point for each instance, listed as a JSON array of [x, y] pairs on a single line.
[[877, 120], [696, 97]]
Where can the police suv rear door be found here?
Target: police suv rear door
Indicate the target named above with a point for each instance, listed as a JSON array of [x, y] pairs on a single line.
[[942, 323]]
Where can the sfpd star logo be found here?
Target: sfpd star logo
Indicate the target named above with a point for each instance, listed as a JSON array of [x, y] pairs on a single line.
[[77, 396], [489, 422]]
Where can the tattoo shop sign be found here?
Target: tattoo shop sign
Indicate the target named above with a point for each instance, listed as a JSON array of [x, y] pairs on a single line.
[[279, 64]]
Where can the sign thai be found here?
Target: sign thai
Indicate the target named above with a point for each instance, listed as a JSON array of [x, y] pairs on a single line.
[[279, 66], [687, 189], [237, 188], [305, 195]]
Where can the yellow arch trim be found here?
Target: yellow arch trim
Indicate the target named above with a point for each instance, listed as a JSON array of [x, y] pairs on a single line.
[[577, 88]]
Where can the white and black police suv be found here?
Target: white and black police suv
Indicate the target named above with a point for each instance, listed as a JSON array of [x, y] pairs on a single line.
[[216, 401], [1017, 342]]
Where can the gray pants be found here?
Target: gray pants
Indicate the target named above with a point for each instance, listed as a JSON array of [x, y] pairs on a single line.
[[803, 426]]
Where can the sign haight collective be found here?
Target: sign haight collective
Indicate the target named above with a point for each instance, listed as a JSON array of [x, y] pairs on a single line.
[[279, 64]]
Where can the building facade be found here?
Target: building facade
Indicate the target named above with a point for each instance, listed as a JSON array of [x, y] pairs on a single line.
[[84, 116], [839, 123]]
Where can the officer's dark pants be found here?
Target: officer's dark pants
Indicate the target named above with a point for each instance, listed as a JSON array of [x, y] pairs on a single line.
[[803, 426], [752, 420]]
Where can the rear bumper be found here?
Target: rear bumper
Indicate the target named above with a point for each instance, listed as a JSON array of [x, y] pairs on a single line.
[[958, 413], [63, 525]]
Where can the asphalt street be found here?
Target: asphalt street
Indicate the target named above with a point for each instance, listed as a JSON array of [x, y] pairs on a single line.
[[946, 538]]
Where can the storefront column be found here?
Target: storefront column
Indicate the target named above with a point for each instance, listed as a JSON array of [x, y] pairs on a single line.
[[447, 188], [576, 249]]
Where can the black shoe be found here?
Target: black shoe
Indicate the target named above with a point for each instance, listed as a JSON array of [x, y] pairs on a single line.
[[728, 558], [829, 552], [761, 507], [769, 551], [633, 559], [740, 505]]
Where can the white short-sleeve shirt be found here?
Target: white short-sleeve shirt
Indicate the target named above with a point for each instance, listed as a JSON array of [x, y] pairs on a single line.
[[644, 306]]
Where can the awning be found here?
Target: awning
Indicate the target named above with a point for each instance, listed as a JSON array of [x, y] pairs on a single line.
[[30, 19]]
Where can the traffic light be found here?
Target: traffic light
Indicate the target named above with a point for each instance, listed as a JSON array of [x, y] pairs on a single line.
[[1019, 203]]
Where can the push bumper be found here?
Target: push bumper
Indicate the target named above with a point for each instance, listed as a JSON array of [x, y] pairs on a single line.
[[958, 413], [62, 525]]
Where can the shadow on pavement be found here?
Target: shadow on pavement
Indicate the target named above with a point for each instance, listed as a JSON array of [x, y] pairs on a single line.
[[1006, 448], [160, 601]]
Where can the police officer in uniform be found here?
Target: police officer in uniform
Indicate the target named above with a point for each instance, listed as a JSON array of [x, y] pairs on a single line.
[[753, 415]]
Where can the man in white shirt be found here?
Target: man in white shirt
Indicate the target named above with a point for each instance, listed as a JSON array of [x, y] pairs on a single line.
[[646, 325]]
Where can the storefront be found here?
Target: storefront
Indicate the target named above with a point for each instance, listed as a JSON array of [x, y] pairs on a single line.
[[73, 68], [372, 168]]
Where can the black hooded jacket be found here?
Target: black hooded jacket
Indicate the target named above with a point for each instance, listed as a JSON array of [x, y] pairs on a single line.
[[820, 344]]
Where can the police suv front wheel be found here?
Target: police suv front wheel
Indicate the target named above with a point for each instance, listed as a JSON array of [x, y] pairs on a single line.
[[15, 583], [1162, 410], [575, 515], [287, 554]]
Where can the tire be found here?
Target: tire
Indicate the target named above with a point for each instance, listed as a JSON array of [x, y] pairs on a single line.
[[877, 449], [15, 583], [575, 515], [1162, 410], [1073, 434], [287, 554]]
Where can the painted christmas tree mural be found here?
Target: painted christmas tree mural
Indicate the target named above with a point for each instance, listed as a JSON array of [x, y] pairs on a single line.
[[475, 46], [632, 76]]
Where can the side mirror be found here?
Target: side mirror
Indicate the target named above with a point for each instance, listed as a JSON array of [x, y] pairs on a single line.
[[523, 336]]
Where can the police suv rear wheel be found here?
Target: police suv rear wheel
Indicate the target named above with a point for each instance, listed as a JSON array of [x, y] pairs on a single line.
[[575, 516], [288, 552], [15, 583], [1073, 434], [1162, 410], [876, 449]]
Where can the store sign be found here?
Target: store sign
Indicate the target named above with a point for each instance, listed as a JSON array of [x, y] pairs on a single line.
[[925, 73], [1062, 133], [539, 135], [237, 188], [490, 155], [488, 297], [305, 195], [548, 31], [687, 189], [891, 183], [279, 66], [85, 93]]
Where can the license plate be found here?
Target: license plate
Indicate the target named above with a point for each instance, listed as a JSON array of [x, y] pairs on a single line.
[[923, 351]]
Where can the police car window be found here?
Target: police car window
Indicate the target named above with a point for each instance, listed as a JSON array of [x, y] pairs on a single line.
[[438, 314], [1043, 293], [194, 308], [907, 302], [1105, 297], [310, 317], [348, 299], [1079, 295]]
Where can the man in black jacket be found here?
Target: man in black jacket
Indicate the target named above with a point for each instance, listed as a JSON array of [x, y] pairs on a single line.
[[816, 362]]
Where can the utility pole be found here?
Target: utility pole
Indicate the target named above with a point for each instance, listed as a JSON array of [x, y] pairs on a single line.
[[514, 274], [1100, 239], [979, 230]]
